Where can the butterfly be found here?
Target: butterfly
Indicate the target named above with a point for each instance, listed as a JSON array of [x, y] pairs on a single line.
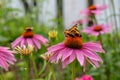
[[72, 32]]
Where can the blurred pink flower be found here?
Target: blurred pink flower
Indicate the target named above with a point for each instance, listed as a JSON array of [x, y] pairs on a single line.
[[6, 57], [94, 9], [80, 21], [72, 48], [28, 37], [85, 77], [95, 30]]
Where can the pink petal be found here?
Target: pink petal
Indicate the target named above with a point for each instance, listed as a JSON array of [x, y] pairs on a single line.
[[65, 62], [93, 46], [80, 57], [54, 57], [93, 63], [61, 52], [3, 63], [96, 12], [103, 7], [72, 57], [56, 47], [41, 38], [7, 52], [36, 43], [94, 33], [17, 41], [23, 42], [68, 60], [1, 47], [8, 59], [86, 12], [92, 55], [67, 52], [29, 41]]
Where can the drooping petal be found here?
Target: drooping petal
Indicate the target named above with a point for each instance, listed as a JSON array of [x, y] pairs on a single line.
[[80, 57], [91, 55], [56, 47], [68, 60], [41, 38], [54, 58], [93, 63], [3, 63], [72, 57], [29, 41], [65, 62], [8, 59], [36, 43], [17, 41], [23, 42], [61, 52], [93, 46], [67, 53]]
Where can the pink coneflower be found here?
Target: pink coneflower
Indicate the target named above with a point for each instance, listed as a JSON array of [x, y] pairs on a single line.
[[6, 57], [73, 47], [85, 77], [94, 9], [28, 37], [95, 30]]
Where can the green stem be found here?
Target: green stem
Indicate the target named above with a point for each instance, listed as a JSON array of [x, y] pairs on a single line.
[[34, 64], [53, 72], [73, 70], [43, 68], [27, 69], [100, 39]]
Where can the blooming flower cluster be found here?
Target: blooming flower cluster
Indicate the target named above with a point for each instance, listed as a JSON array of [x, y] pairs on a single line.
[[73, 47]]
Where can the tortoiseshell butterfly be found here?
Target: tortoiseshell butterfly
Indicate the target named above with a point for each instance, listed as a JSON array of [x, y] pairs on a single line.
[[72, 32]]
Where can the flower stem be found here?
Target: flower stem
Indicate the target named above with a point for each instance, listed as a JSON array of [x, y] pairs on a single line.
[[27, 67], [43, 68], [34, 64], [73, 70], [100, 39], [53, 72]]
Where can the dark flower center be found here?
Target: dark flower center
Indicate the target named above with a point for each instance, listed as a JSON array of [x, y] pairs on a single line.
[[97, 28], [73, 42], [92, 7], [28, 33]]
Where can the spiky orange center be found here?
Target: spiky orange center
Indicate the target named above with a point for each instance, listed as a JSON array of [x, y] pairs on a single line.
[[73, 42], [92, 7], [28, 33], [97, 28]]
